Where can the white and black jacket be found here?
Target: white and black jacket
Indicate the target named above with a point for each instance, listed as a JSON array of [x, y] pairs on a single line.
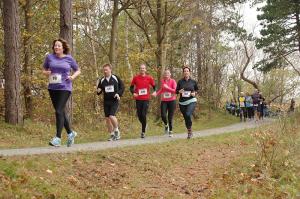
[[110, 88]]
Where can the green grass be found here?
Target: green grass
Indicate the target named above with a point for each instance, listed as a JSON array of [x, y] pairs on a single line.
[[39, 133]]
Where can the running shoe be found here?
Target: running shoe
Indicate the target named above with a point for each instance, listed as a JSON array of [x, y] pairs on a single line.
[[111, 138], [117, 135], [170, 134], [166, 129], [56, 141], [190, 135], [143, 135], [71, 138]]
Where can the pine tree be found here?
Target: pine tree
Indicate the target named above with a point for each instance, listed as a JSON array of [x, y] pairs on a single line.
[[280, 35]]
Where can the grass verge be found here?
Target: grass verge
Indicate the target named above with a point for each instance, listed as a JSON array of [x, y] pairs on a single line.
[[39, 133]]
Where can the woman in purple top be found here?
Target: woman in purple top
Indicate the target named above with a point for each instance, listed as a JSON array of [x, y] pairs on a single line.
[[57, 67]]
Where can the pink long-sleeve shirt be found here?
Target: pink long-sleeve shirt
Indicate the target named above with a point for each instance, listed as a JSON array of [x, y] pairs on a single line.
[[167, 94]]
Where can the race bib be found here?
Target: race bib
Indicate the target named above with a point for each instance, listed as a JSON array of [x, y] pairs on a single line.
[[55, 79], [242, 105], [109, 89], [255, 104], [186, 94], [143, 91], [167, 95]]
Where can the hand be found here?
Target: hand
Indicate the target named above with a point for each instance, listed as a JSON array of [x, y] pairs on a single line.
[[117, 96], [135, 95], [181, 91], [70, 78], [47, 72], [193, 94], [166, 86], [99, 90], [154, 94]]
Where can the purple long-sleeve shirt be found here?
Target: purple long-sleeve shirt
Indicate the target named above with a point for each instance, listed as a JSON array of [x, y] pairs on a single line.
[[60, 67]]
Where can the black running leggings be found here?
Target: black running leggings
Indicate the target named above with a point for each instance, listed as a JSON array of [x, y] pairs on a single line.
[[243, 112], [142, 109], [187, 112], [168, 107], [59, 100]]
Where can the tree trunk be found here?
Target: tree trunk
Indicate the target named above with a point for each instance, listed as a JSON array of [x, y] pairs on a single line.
[[127, 47], [27, 59], [66, 32], [91, 32], [13, 103], [160, 55], [113, 33]]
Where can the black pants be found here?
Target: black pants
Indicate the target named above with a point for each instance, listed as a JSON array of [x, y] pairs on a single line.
[[250, 112], [59, 100], [243, 113], [168, 107], [142, 109], [187, 112]]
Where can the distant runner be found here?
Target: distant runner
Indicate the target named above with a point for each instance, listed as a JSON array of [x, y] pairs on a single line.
[[242, 107], [257, 100]]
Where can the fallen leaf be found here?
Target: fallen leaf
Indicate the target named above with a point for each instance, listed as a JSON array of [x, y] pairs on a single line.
[[49, 171]]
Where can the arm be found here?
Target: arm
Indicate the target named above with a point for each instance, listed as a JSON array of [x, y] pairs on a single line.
[[160, 90], [46, 69], [72, 77], [178, 87], [195, 89], [121, 87], [132, 86], [153, 84], [98, 87], [172, 87], [75, 68], [154, 87]]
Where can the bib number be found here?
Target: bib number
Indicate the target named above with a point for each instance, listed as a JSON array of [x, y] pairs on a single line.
[[255, 105], [109, 89], [167, 95], [186, 94], [242, 105], [143, 91], [55, 79]]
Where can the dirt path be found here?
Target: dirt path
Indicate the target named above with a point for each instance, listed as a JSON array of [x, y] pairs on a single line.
[[95, 146]]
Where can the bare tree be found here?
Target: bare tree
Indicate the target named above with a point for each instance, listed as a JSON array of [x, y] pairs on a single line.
[[248, 59], [114, 28]]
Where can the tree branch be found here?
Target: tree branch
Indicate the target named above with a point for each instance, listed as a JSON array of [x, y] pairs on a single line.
[[246, 65]]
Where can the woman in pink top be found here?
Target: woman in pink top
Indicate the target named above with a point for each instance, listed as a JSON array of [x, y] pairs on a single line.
[[168, 101]]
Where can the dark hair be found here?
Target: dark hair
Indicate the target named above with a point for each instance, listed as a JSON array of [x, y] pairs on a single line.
[[107, 65], [184, 67], [66, 47]]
